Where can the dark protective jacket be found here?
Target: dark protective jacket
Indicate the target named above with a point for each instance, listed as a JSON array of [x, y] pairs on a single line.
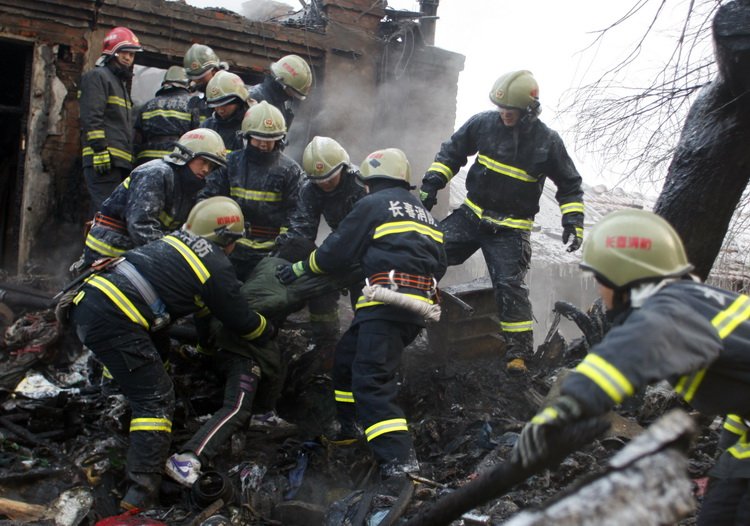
[[106, 116], [154, 200], [314, 202], [189, 274], [266, 191], [506, 180], [229, 129], [693, 335], [161, 122], [273, 93], [386, 230]]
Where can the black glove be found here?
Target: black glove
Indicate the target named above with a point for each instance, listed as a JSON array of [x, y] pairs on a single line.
[[286, 274], [428, 194], [575, 234], [572, 230], [534, 443]]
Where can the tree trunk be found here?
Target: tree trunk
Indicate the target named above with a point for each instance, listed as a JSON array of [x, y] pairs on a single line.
[[711, 166]]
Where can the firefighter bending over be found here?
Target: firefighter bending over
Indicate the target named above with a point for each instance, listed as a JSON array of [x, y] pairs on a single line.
[[117, 312], [290, 79], [156, 198], [693, 335], [227, 95], [516, 153], [399, 246]]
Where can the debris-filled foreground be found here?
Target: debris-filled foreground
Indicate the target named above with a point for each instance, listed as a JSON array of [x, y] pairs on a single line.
[[64, 435]]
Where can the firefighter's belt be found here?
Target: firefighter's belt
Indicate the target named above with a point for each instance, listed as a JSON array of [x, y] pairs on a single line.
[[110, 223], [402, 279], [267, 232], [147, 292]]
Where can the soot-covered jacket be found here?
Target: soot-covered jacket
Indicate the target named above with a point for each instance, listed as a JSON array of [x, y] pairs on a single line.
[[154, 200], [190, 275], [512, 164], [161, 122], [386, 230], [228, 129], [267, 193], [333, 206], [273, 93], [693, 335]]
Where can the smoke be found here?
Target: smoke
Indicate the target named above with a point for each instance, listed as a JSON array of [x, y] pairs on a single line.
[[265, 10]]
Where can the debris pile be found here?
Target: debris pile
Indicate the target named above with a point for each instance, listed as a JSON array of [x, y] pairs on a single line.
[[63, 434]]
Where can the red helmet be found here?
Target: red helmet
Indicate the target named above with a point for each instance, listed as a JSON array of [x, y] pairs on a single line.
[[120, 39]]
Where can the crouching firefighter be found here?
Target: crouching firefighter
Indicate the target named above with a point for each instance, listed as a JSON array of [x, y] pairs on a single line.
[[156, 198], [693, 335], [400, 249], [117, 311]]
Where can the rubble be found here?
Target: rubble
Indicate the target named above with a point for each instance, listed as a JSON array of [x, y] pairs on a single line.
[[62, 430]]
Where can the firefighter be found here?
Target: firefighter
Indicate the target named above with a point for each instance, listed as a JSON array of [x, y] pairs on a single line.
[[264, 182], [117, 312], [201, 64], [106, 115], [165, 118], [516, 153], [227, 95], [330, 191], [290, 79], [399, 245], [694, 335], [156, 198]]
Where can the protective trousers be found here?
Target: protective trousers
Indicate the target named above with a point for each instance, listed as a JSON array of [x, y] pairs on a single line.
[[132, 359], [507, 252], [324, 319], [100, 186], [241, 377], [727, 503], [364, 381]]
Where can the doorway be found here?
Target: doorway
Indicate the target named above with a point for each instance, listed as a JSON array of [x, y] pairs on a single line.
[[14, 102]]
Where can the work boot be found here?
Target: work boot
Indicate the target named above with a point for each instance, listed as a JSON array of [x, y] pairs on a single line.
[[343, 435], [400, 468], [143, 491], [184, 468], [516, 366], [518, 347]]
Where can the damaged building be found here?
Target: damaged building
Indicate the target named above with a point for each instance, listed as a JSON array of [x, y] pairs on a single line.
[[376, 74]]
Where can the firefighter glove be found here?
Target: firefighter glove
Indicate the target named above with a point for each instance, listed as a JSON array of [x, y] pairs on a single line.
[[102, 162], [428, 194], [534, 443], [286, 274], [572, 224]]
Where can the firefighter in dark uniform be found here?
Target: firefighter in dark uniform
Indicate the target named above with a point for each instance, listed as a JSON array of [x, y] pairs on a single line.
[[263, 181], [156, 198], [667, 326], [330, 191], [201, 64], [399, 245], [106, 116], [165, 118], [227, 95], [290, 79], [116, 313], [516, 153]]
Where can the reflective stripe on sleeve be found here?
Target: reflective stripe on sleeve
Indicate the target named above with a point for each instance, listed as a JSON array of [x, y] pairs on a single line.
[[100, 247], [346, 397], [442, 169], [259, 330], [735, 425], [606, 376], [569, 208], [517, 326], [727, 320]]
